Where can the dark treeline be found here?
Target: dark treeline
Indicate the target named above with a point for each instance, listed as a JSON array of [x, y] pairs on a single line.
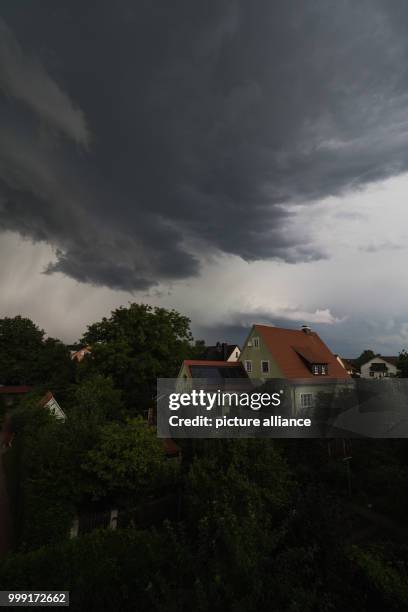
[[243, 525]]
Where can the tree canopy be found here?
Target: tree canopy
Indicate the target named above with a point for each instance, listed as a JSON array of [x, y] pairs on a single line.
[[28, 358], [135, 346], [402, 364], [243, 524], [128, 459], [365, 356]]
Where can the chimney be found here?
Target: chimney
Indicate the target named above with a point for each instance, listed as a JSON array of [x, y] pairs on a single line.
[[306, 329], [224, 351]]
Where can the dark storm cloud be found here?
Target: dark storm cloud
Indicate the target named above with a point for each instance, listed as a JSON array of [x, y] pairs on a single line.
[[134, 135]]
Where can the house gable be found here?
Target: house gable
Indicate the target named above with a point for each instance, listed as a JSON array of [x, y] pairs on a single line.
[[50, 403], [292, 354], [256, 351], [379, 367]]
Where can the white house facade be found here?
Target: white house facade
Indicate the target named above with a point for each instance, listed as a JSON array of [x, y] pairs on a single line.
[[379, 367]]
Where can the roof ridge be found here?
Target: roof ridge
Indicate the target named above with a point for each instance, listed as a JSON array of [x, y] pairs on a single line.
[[290, 329], [291, 347]]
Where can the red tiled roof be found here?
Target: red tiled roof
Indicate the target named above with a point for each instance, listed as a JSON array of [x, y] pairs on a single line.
[[349, 365], [309, 355], [287, 346], [47, 397], [204, 362], [392, 360], [14, 389]]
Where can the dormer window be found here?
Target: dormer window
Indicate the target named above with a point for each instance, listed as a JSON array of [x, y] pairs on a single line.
[[319, 369]]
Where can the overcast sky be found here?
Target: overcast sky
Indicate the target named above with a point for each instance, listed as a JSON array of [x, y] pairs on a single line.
[[239, 161]]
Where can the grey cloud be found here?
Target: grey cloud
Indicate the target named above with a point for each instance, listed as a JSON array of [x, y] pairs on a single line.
[[38, 201], [287, 317], [376, 247], [239, 324], [211, 123], [348, 338], [26, 79]]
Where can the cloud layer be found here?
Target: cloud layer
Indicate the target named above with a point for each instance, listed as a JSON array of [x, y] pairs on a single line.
[[25, 79], [139, 139]]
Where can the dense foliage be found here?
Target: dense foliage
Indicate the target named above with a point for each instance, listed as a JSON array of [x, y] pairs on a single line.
[[28, 358], [137, 345], [365, 356], [402, 364], [242, 525]]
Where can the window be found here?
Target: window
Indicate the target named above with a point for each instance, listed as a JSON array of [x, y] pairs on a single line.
[[371, 373], [319, 368], [306, 400], [265, 367], [248, 366], [256, 342], [378, 367], [236, 354]]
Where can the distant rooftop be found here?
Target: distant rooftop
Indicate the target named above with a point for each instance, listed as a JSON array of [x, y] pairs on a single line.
[[222, 351], [202, 368]]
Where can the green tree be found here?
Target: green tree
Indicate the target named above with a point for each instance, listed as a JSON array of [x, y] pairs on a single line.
[[402, 364], [21, 342], [109, 570], [137, 345], [238, 494], [389, 586], [96, 400], [54, 367], [28, 358], [129, 459], [198, 350], [46, 489], [52, 482], [365, 356]]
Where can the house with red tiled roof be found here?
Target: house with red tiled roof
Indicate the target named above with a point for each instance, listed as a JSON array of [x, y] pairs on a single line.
[[297, 355], [275, 352]]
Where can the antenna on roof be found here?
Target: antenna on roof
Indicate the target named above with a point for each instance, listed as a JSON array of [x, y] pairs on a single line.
[[306, 329]]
